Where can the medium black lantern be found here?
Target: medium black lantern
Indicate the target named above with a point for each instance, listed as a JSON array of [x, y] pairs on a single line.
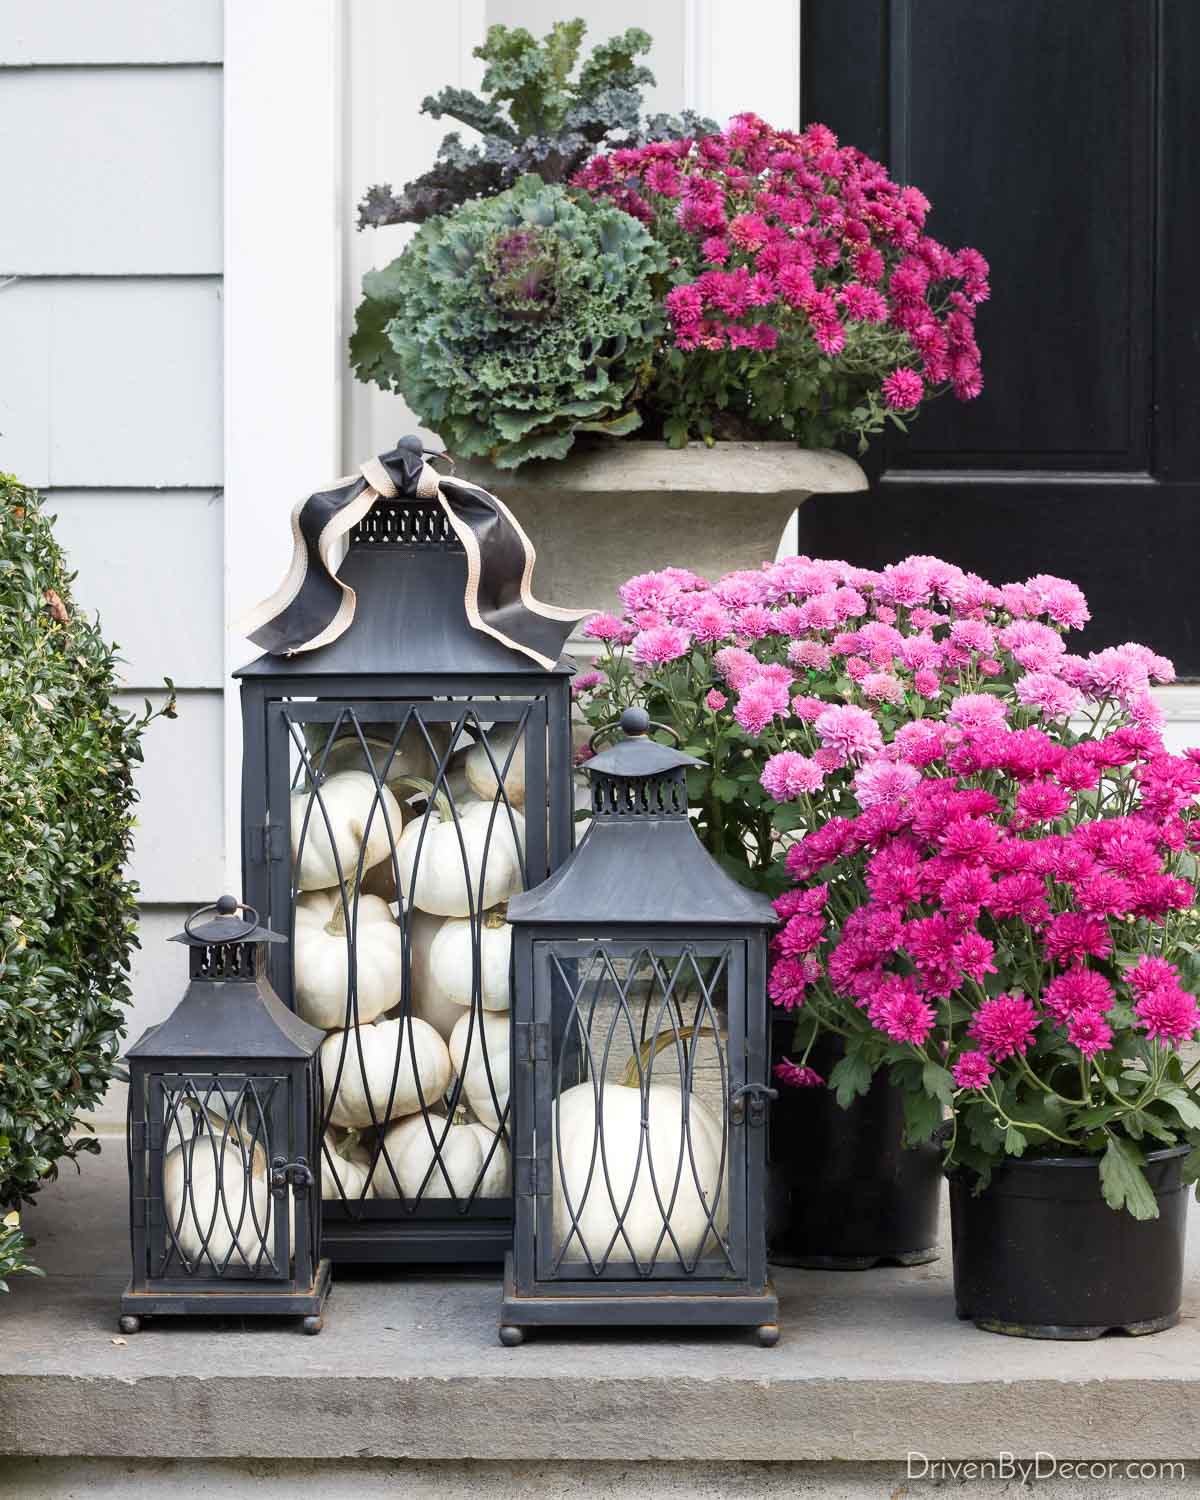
[[640, 1090], [407, 769], [223, 1140]]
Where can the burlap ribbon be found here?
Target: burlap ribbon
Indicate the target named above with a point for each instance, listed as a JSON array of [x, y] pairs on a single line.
[[312, 606]]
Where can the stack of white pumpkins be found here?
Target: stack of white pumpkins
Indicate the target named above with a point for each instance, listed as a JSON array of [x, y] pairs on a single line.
[[391, 1068]]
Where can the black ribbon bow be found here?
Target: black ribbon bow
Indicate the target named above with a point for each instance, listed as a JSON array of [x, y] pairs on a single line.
[[313, 607]]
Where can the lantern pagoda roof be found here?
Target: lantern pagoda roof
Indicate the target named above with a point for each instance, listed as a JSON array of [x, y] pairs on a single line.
[[641, 862], [409, 620]]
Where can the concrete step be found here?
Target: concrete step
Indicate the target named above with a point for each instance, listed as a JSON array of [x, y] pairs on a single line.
[[872, 1366]]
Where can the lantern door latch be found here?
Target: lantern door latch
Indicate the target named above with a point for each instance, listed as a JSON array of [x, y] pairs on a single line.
[[759, 1096], [298, 1173]]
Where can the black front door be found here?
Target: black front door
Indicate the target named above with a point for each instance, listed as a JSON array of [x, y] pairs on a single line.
[[1061, 138]]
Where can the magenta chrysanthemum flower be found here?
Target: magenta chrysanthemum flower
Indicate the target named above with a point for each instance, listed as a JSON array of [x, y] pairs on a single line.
[[790, 774], [903, 388], [715, 699], [903, 1016], [811, 654], [1090, 1032], [661, 644], [797, 1077], [1071, 937], [850, 731], [1004, 1026], [972, 1071], [1168, 1013], [1076, 991]]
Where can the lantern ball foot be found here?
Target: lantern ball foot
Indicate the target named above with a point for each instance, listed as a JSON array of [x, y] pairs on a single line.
[[128, 1323], [313, 1323], [768, 1334], [511, 1336]]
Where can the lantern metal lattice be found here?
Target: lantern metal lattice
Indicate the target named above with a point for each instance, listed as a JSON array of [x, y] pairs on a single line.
[[640, 1068], [462, 752], [223, 1141]]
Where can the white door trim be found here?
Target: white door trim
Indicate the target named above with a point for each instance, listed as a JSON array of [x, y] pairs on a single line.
[[283, 307], [740, 56]]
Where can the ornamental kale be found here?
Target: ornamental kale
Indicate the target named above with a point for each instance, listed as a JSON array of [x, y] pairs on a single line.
[[516, 322], [984, 857], [807, 299], [536, 118]]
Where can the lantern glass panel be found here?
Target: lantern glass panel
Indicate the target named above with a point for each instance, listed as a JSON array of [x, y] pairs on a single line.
[[644, 1158], [408, 833]]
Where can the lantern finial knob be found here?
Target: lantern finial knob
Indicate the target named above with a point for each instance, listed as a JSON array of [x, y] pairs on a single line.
[[635, 722], [226, 905]]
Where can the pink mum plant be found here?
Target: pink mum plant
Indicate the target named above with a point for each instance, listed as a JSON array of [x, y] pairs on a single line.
[[984, 870], [806, 298]]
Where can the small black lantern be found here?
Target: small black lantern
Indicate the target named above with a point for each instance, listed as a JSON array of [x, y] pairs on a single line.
[[224, 1140], [640, 1070]]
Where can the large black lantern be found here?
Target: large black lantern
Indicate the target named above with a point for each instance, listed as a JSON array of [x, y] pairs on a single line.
[[223, 1140], [407, 770], [640, 1085]]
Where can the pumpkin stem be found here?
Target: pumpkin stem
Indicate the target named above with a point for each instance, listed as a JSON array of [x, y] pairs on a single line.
[[423, 784], [336, 926], [497, 917]]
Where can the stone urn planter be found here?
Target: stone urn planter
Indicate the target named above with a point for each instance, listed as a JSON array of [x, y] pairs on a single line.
[[1039, 1253], [612, 509]]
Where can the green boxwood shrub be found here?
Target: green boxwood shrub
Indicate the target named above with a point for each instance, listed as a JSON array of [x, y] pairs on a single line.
[[67, 914]]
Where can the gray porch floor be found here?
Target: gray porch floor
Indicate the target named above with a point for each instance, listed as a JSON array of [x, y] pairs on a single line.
[[871, 1366]]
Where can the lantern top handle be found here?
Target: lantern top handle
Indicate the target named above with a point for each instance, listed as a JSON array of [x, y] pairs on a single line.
[[636, 754], [226, 927]]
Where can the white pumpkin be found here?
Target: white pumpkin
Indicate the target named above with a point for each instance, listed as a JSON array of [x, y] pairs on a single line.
[[451, 961], [479, 1053], [433, 872], [483, 776], [223, 1211], [412, 1146], [322, 958], [663, 1142], [345, 1168], [412, 757], [351, 801], [366, 1080], [428, 1002]]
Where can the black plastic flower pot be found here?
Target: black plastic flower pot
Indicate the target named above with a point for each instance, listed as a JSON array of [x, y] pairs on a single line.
[[1039, 1254], [843, 1193]]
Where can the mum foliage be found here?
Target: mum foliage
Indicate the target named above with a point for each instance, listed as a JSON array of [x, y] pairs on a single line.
[[68, 923], [807, 300], [983, 857], [534, 114]]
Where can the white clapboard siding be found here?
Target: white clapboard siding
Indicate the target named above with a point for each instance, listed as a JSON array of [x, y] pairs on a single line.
[[179, 844], [109, 31], [118, 170], [149, 562], [111, 382]]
